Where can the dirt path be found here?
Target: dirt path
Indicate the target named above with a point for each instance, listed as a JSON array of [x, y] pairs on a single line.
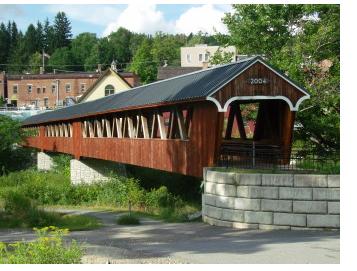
[[157, 242]]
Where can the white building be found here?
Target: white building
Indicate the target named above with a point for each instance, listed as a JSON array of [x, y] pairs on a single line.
[[199, 55]]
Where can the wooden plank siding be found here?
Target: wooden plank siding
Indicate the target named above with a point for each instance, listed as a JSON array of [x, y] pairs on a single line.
[[181, 156], [240, 86]]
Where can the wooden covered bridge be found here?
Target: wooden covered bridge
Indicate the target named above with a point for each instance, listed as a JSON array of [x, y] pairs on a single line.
[[181, 124]]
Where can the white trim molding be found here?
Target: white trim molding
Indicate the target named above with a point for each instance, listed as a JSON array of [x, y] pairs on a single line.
[[247, 98]]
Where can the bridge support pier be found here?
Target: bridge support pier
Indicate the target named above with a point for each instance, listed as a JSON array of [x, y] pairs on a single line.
[[94, 170], [44, 161]]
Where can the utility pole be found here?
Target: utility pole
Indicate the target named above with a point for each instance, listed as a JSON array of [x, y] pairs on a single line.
[[43, 60], [57, 91]]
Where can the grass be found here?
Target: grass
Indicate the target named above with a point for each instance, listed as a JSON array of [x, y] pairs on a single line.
[[19, 211], [44, 219], [128, 220]]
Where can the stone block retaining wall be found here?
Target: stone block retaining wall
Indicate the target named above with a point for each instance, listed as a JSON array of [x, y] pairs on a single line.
[[271, 201]]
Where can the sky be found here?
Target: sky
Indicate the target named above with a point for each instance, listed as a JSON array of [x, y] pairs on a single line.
[[143, 18]]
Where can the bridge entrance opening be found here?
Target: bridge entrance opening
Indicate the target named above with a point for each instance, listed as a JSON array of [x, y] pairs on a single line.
[[255, 134]]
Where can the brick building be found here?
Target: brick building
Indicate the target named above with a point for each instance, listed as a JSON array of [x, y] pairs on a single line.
[[40, 90]]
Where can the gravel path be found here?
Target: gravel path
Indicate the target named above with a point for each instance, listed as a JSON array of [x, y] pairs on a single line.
[[157, 242]]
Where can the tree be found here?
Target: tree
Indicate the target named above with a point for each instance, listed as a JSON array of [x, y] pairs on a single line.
[[35, 61], [262, 29], [101, 53], [303, 41], [61, 59], [120, 42], [221, 57], [40, 37], [81, 48], [49, 43], [4, 43], [62, 30], [31, 40], [166, 47], [11, 156], [143, 63]]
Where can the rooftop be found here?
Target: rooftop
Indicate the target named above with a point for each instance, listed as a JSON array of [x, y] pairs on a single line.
[[194, 86]]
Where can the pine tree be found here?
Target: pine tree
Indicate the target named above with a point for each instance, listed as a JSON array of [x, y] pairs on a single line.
[[31, 40], [62, 30], [48, 38], [4, 43], [39, 37], [14, 35]]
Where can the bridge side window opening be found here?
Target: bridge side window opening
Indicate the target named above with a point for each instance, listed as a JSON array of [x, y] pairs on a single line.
[[59, 130], [173, 123], [31, 131], [109, 90]]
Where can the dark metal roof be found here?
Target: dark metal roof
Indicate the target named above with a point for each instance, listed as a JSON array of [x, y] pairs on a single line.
[[193, 86], [171, 71]]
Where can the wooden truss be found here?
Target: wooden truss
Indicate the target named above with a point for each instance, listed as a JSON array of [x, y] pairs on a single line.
[[172, 124], [59, 130]]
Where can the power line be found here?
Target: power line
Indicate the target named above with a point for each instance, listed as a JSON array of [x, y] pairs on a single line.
[[75, 65]]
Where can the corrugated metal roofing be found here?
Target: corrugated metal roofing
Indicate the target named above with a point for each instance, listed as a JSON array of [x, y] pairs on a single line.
[[187, 87]]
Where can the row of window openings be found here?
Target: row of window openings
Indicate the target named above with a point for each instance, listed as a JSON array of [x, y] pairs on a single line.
[[200, 57], [168, 125], [15, 88]]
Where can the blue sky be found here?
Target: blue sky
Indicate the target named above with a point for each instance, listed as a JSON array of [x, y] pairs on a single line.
[[102, 19]]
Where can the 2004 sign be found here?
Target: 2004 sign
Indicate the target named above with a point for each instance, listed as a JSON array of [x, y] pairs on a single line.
[[258, 81]]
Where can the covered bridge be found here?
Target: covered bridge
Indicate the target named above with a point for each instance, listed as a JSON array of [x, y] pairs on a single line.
[[181, 124]]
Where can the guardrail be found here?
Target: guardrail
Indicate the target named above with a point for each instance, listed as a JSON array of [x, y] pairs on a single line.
[[254, 156]]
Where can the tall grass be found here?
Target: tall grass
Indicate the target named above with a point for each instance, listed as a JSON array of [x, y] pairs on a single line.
[[54, 188]]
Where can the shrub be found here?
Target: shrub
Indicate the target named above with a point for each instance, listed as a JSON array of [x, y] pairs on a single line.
[[128, 220], [62, 164], [16, 203], [48, 248]]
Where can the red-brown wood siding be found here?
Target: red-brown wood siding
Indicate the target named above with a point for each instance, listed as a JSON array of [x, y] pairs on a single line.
[[181, 156], [240, 86]]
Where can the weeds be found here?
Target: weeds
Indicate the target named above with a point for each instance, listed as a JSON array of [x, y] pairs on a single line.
[[48, 248]]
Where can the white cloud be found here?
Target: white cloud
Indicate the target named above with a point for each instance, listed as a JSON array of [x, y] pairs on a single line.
[[205, 18], [94, 14], [141, 18], [146, 18]]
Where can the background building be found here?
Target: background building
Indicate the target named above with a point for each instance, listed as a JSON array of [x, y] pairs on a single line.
[[110, 82], [199, 55], [52, 89]]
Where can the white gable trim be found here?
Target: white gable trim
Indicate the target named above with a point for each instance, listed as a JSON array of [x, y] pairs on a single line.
[[247, 98]]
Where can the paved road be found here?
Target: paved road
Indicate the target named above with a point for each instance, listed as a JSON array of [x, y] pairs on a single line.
[[157, 242]]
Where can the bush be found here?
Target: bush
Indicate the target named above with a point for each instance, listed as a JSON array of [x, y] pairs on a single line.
[[48, 248], [62, 164], [128, 220], [16, 203]]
